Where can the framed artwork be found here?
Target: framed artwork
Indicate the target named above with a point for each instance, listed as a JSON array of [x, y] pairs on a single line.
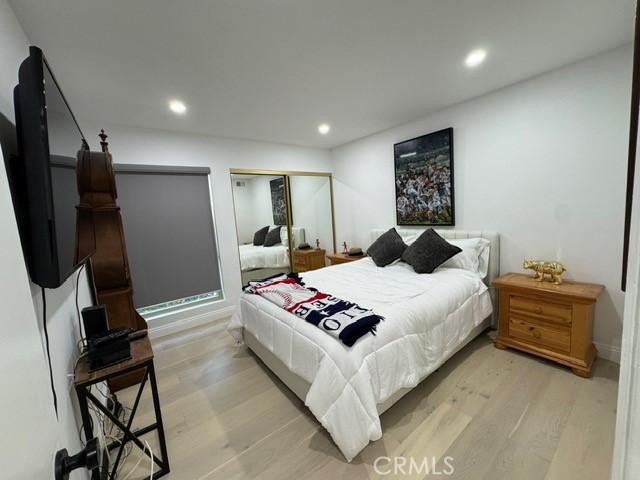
[[278, 203], [424, 180]]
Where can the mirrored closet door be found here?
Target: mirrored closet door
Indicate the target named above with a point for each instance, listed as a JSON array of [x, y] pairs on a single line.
[[312, 213], [284, 221]]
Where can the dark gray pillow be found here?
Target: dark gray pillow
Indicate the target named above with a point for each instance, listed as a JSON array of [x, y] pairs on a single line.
[[273, 237], [387, 248], [428, 252], [260, 235]]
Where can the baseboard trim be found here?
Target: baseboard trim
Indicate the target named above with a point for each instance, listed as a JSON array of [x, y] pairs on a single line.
[[608, 352], [194, 321]]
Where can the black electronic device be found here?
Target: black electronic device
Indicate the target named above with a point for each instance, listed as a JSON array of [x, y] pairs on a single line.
[[137, 335], [112, 347], [43, 176], [95, 321], [93, 457]]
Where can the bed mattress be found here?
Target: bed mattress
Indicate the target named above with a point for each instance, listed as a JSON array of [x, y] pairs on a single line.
[[426, 317], [252, 257]]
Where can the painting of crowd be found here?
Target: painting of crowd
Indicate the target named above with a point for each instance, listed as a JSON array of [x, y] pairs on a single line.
[[424, 180]]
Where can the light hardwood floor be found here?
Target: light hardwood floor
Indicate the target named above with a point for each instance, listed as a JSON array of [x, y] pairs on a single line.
[[498, 414]]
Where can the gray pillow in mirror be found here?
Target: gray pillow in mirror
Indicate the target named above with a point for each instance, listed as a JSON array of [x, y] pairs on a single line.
[[387, 248], [260, 235], [429, 251], [273, 237]]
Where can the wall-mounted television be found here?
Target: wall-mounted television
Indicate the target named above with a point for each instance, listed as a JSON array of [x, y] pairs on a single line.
[[43, 175]]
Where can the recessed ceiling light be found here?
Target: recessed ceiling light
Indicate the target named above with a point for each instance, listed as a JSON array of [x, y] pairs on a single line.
[[176, 106], [324, 128], [475, 57]]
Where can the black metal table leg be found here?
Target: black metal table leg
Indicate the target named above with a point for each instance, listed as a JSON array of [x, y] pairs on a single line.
[[159, 423]]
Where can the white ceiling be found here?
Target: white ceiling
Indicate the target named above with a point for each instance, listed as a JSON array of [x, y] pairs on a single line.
[[274, 69]]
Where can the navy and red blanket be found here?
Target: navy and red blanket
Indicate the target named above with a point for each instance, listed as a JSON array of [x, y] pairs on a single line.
[[341, 319]]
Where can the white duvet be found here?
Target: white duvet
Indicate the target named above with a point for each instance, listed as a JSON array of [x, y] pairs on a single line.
[[252, 257], [426, 318]]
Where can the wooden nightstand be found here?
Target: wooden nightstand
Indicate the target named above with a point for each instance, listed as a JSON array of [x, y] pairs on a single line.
[[338, 258], [309, 259], [552, 321]]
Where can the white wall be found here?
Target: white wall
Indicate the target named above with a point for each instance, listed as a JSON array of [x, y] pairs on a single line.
[[243, 205], [626, 453], [157, 147], [541, 162], [311, 209], [31, 433]]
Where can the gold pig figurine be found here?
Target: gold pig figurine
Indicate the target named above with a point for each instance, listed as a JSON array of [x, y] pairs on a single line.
[[541, 268]]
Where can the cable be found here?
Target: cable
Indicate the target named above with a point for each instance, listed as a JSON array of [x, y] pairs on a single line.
[[46, 339], [78, 307], [138, 462]]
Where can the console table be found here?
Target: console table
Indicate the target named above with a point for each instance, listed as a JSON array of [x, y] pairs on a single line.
[[141, 359]]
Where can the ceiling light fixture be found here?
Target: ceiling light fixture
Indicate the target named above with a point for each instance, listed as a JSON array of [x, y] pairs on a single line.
[[475, 57], [177, 107], [324, 128]]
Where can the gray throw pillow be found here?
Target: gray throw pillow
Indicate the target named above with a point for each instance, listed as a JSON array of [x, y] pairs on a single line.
[[387, 248], [260, 235], [273, 237], [429, 251]]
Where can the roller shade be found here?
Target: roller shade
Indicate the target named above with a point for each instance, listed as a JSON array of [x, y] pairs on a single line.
[[169, 231]]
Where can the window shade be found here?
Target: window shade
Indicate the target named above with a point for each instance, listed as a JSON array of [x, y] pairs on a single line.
[[169, 231]]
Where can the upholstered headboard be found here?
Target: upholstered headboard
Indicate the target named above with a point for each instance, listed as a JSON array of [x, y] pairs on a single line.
[[298, 235], [493, 270]]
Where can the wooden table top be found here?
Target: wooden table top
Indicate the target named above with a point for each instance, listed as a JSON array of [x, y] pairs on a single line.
[[141, 352], [309, 251], [568, 288], [346, 256]]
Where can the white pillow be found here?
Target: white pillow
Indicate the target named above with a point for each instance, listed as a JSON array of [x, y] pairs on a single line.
[[474, 256], [284, 236]]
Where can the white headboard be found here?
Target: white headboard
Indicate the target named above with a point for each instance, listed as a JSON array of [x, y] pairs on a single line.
[[298, 235], [493, 271]]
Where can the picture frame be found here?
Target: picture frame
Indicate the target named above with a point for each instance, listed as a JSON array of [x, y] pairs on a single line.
[[278, 202], [424, 181]]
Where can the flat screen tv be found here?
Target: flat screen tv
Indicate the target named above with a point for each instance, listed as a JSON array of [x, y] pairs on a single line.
[[43, 176]]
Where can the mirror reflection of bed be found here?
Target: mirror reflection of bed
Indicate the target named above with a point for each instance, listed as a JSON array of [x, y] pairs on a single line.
[[267, 207]]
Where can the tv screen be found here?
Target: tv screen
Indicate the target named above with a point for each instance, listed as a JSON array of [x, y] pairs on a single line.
[[49, 141]]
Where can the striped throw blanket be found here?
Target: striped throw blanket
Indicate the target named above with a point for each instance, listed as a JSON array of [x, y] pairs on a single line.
[[341, 319]]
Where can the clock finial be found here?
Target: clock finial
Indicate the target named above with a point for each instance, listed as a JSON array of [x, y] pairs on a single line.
[[103, 141]]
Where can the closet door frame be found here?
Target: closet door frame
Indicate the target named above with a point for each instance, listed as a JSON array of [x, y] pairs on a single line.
[[287, 187]]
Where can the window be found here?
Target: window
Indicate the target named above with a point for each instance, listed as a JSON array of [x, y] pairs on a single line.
[[170, 236]]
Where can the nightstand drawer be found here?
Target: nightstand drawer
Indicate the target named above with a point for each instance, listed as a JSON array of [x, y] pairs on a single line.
[[300, 267], [551, 312], [300, 260], [528, 329]]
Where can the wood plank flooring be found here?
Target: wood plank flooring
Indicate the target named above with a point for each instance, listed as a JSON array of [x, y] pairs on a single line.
[[489, 413]]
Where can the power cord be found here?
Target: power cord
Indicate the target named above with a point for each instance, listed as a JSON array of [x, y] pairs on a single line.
[[81, 342], [146, 447], [46, 338]]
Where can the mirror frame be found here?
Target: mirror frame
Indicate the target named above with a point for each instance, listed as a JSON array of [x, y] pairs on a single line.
[[287, 187]]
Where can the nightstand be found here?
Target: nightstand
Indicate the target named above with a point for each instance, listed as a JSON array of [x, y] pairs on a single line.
[[308, 259], [551, 321], [338, 258]]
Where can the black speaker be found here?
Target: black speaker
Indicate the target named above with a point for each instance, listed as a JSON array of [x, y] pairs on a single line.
[[95, 321]]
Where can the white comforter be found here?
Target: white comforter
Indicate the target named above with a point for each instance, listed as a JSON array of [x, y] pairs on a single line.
[[426, 318], [252, 256]]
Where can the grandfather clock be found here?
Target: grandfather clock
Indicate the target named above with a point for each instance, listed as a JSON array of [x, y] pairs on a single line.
[[109, 264]]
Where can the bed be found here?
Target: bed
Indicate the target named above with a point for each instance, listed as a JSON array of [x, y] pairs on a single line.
[[253, 257], [428, 318]]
